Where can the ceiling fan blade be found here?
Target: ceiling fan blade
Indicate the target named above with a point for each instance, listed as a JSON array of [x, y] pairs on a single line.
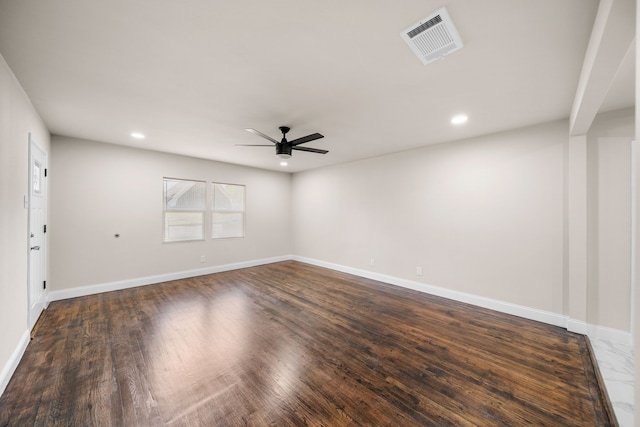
[[253, 145], [257, 132], [307, 138], [311, 150]]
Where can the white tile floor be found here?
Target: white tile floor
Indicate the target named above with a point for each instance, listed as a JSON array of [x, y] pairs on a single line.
[[616, 366]]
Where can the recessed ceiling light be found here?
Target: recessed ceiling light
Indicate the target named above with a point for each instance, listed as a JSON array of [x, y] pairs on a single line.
[[137, 135], [283, 163], [459, 119]]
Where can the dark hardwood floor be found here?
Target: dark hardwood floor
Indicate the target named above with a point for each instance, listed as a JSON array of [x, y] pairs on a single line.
[[293, 344]]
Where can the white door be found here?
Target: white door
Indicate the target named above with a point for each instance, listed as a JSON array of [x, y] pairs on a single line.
[[37, 230]]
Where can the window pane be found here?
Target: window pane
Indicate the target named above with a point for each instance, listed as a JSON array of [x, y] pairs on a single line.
[[184, 195], [227, 225], [184, 206], [180, 226], [228, 197], [228, 211]]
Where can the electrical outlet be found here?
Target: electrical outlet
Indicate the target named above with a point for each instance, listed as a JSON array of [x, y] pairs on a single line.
[[419, 271], [201, 258], [372, 262]]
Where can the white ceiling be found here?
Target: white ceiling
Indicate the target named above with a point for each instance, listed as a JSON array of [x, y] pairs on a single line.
[[192, 75]]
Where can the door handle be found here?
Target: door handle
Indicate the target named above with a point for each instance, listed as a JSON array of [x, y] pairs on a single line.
[[35, 248]]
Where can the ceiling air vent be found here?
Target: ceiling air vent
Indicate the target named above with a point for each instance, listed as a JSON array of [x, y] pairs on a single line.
[[433, 37]]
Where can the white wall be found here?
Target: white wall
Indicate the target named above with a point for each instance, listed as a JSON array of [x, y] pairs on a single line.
[[99, 190], [635, 330], [482, 216], [18, 118], [609, 219]]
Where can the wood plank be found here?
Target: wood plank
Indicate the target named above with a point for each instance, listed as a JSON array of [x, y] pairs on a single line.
[[293, 344]]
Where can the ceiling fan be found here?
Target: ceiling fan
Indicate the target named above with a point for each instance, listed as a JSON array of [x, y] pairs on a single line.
[[284, 147]]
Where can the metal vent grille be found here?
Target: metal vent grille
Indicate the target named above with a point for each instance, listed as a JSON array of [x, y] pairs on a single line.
[[433, 37], [420, 29]]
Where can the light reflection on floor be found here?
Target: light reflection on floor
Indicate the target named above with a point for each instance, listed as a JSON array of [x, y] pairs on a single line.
[[212, 344]]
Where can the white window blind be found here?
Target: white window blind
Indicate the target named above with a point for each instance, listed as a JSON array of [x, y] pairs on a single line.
[[184, 207], [228, 211]]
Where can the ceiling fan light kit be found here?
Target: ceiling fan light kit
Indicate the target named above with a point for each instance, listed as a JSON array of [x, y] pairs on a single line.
[[283, 151], [284, 147]]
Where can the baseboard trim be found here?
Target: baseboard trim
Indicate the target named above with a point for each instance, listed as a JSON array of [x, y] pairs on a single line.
[[577, 326], [150, 280], [11, 365], [572, 325]]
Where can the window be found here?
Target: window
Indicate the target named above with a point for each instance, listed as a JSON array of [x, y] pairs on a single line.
[[184, 206], [228, 211]]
